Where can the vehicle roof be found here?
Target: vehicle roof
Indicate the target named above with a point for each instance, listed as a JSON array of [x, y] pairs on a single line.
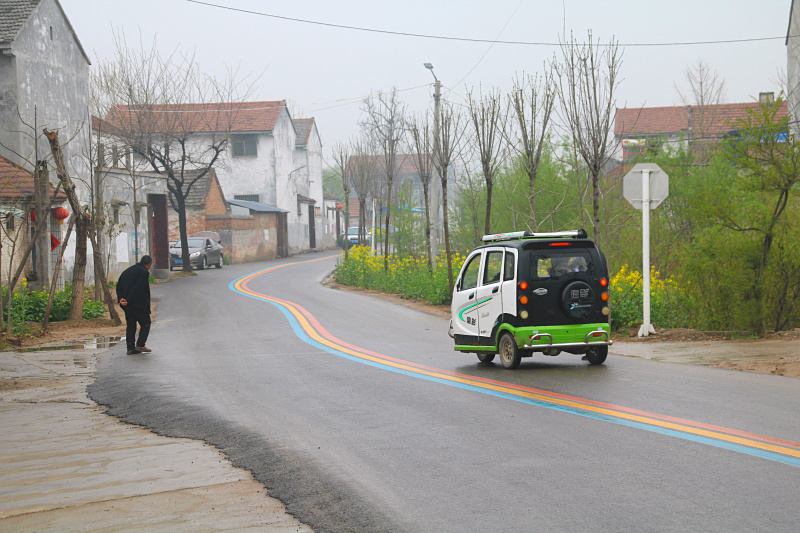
[[537, 243]]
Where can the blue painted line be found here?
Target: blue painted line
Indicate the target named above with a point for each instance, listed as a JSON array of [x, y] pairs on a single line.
[[301, 334]]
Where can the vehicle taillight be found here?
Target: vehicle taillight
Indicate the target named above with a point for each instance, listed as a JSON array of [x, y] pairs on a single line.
[[523, 300], [604, 296], [560, 244], [523, 285], [603, 282]]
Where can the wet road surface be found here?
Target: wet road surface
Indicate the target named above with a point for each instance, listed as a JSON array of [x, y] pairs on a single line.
[[359, 416]]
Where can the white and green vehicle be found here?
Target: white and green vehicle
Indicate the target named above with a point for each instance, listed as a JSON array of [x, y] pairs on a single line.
[[523, 293]]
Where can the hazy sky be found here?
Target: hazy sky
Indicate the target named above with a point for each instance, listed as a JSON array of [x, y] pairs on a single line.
[[325, 72]]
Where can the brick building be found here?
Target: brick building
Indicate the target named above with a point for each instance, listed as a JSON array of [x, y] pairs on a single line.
[[205, 199]]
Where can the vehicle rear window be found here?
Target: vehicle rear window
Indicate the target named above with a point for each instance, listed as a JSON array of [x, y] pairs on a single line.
[[556, 266]]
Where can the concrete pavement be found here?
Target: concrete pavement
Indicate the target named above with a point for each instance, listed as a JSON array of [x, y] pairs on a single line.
[[67, 466]]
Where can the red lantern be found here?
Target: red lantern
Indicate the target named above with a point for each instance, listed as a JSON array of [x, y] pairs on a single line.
[[60, 213], [33, 215]]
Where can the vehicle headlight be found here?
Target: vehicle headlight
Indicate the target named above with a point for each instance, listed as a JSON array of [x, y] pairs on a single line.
[[195, 254]]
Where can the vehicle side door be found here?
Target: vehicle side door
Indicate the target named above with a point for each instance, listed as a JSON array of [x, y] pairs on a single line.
[[463, 309], [488, 295]]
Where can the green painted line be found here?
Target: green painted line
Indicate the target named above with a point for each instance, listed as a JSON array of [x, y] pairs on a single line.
[[461, 314]]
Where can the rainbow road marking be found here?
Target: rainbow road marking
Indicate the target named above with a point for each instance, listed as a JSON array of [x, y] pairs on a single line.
[[309, 330]]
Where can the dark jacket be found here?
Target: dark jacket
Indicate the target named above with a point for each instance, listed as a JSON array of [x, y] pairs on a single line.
[[134, 286]]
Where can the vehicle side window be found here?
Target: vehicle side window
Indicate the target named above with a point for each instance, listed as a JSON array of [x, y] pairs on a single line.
[[208, 243], [470, 278], [492, 268], [509, 268]]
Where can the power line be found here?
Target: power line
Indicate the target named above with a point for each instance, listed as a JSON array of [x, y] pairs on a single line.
[[471, 40]]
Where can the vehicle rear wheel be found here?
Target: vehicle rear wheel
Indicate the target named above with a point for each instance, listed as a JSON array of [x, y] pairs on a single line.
[[219, 265], [510, 355], [485, 357], [596, 355]]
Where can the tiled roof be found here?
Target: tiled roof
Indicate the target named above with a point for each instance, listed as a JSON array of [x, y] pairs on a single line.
[[17, 183], [675, 119], [13, 16], [199, 192], [257, 206], [217, 117], [305, 199], [302, 127], [404, 163]]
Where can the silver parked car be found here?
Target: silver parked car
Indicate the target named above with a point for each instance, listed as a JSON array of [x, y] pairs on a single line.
[[204, 251]]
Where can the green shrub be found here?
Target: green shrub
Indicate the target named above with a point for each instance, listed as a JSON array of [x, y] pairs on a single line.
[[29, 306], [668, 303], [407, 276]]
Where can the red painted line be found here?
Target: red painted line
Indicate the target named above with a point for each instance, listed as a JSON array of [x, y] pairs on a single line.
[[701, 425]]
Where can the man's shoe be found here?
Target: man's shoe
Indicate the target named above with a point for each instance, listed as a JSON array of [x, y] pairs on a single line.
[[134, 351], [144, 349]]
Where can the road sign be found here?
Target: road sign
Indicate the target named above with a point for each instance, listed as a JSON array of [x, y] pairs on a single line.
[[632, 185]]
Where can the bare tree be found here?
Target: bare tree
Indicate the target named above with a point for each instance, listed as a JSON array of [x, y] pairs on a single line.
[[168, 112], [421, 147], [385, 125], [363, 173], [447, 145], [486, 113], [706, 92], [83, 218], [341, 158], [587, 78], [531, 104]]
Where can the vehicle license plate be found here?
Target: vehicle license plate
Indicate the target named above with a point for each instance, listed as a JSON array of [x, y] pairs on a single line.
[[179, 261]]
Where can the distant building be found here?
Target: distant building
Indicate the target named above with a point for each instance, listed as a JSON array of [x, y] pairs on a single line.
[[639, 129], [44, 83], [264, 162], [793, 64], [44, 80], [16, 205]]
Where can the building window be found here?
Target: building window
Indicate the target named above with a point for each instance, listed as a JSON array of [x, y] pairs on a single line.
[[247, 197], [245, 148], [51, 33], [10, 222], [116, 215], [138, 216]]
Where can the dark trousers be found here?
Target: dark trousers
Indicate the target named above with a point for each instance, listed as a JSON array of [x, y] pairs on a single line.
[[133, 317]]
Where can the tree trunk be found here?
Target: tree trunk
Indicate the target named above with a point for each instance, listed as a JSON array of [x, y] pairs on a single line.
[[182, 229], [447, 233], [596, 208], [532, 204], [487, 224], [56, 272], [79, 272], [426, 198], [386, 237]]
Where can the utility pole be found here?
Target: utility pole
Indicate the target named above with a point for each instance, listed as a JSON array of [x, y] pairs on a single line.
[[437, 95], [42, 207]]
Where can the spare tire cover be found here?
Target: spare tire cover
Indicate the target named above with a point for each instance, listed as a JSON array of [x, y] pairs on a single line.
[[577, 300]]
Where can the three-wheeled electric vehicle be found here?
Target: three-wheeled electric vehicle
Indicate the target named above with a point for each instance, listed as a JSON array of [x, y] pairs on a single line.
[[522, 293]]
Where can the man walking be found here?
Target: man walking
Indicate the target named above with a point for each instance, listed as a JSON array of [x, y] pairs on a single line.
[[133, 294]]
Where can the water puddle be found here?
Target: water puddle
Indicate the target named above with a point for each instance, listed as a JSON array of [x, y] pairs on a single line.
[[96, 343]]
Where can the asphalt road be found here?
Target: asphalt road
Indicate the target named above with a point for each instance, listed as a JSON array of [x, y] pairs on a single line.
[[358, 414]]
